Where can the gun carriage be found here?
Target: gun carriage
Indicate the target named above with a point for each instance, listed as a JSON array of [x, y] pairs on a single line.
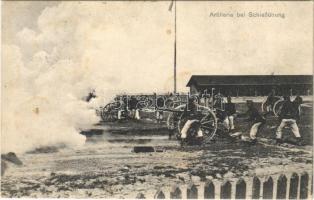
[[208, 108]]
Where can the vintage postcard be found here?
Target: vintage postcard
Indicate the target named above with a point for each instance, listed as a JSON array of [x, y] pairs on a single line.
[[157, 99]]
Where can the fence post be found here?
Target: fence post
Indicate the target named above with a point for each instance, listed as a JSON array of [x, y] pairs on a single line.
[[209, 190], [140, 196], [192, 192], [304, 185], [281, 187], [200, 190], [256, 188], [268, 188], [184, 191], [294, 184], [176, 193], [312, 185], [225, 190], [240, 189], [159, 195]]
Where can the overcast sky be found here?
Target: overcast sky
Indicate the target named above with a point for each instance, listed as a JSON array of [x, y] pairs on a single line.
[[129, 45]]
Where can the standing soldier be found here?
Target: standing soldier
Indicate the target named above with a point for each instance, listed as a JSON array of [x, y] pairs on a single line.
[[288, 117], [297, 102], [159, 103], [137, 114], [91, 95], [132, 106], [159, 116], [122, 108], [257, 120], [230, 111]]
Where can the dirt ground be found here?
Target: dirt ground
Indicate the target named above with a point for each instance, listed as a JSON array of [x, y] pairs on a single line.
[[106, 167]]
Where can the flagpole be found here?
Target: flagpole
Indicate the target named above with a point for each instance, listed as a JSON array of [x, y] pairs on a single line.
[[175, 49], [175, 45]]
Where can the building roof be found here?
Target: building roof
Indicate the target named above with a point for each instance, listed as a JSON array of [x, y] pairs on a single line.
[[208, 80]]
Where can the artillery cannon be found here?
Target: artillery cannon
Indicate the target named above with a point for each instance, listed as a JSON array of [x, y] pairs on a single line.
[[174, 105], [276, 105]]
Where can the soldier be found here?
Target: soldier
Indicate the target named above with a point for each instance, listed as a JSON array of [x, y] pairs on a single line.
[[160, 103], [122, 108], [257, 120], [190, 112], [137, 114], [132, 106], [218, 101], [221, 114], [288, 117], [297, 102], [270, 101], [230, 112], [91, 95], [159, 116]]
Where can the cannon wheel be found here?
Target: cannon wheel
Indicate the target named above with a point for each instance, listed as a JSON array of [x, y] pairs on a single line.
[[172, 120], [109, 112], [208, 122], [109, 116], [277, 107], [264, 106]]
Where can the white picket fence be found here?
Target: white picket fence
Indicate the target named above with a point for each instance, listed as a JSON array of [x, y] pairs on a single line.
[[281, 186]]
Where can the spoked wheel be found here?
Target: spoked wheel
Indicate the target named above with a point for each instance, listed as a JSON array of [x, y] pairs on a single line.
[[141, 105], [110, 116], [145, 102], [149, 103], [277, 107], [207, 122], [173, 102], [160, 102], [172, 120], [170, 103], [264, 106], [109, 112]]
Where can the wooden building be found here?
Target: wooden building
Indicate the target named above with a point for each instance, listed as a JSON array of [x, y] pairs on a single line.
[[251, 85]]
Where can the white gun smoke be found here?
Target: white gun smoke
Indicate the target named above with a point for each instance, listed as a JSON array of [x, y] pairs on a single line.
[[51, 68]]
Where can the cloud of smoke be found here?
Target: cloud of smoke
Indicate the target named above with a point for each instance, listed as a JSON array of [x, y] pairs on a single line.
[[75, 48], [41, 106]]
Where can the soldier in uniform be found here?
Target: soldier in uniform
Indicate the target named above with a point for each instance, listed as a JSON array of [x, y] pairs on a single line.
[[288, 117], [256, 119], [230, 114], [297, 102], [91, 95], [190, 113], [132, 106]]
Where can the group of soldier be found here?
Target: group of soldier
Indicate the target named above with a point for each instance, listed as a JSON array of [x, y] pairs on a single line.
[[289, 116]]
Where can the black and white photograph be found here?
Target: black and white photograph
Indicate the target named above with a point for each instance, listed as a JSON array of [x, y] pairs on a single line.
[[161, 99]]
